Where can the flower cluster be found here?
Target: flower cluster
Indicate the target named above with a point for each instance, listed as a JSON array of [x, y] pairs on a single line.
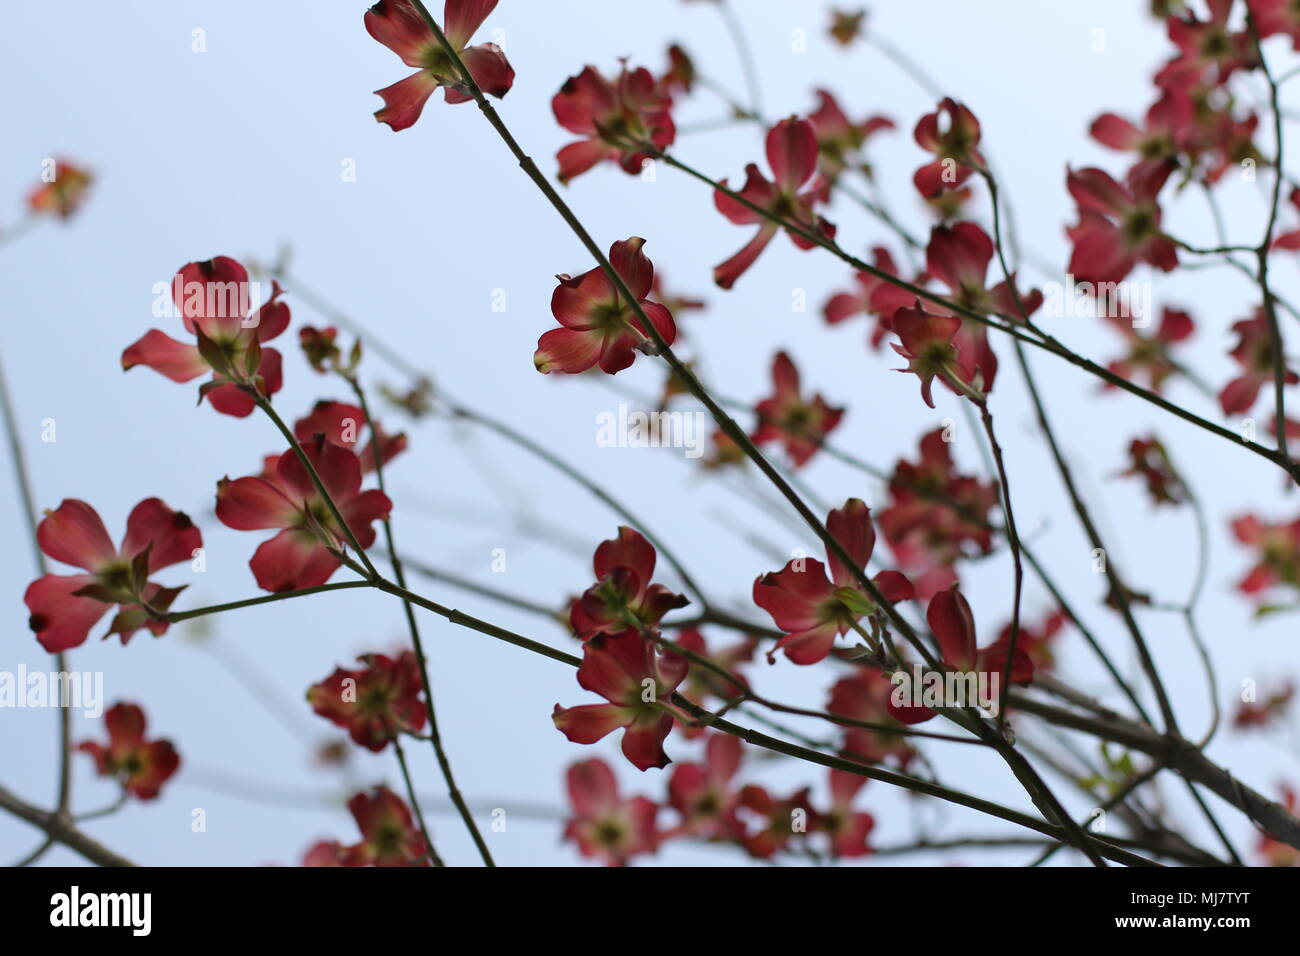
[[709, 803], [389, 836]]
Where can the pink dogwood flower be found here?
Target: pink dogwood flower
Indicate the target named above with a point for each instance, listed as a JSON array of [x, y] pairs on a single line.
[[637, 681], [624, 121], [303, 554], [813, 609], [214, 299], [792, 155], [398, 25], [141, 766], [605, 825], [65, 607], [599, 326]]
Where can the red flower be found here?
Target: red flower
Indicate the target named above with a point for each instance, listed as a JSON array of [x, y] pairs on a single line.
[[959, 257], [625, 121], [1273, 850], [780, 821], [874, 296], [65, 607], [320, 348], [847, 828], [141, 766], [723, 451], [623, 595], [792, 156], [343, 424], [1278, 547], [865, 696], [838, 139], [1149, 460], [63, 194], [812, 609], [1166, 129], [933, 512], [1254, 353], [398, 25], [375, 703], [1119, 225], [681, 73], [1149, 354], [954, 145], [1037, 641], [787, 417], [953, 625], [1269, 711], [929, 342], [702, 683], [1208, 51], [674, 303], [702, 793], [604, 824], [214, 299], [1277, 16], [638, 682], [599, 327], [300, 555], [325, 853], [389, 836]]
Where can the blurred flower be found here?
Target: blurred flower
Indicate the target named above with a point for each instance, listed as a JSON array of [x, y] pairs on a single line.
[[1254, 353], [1119, 225], [141, 766], [342, 424], [604, 824], [1149, 460], [952, 134], [63, 193], [792, 155], [624, 121], [375, 703], [800, 424]]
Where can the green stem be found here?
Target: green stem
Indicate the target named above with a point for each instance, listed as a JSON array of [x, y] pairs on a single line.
[[176, 616], [344, 527], [435, 736]]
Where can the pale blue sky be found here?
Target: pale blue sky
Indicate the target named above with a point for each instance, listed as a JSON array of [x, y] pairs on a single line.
[[239, 149]]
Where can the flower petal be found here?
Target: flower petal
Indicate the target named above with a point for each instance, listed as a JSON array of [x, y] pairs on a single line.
[[590, 722], [60, 619], [170, 535], [398, 25], [792, 152], [404, 100], [75, 534], [292, 560], [162, 353]]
